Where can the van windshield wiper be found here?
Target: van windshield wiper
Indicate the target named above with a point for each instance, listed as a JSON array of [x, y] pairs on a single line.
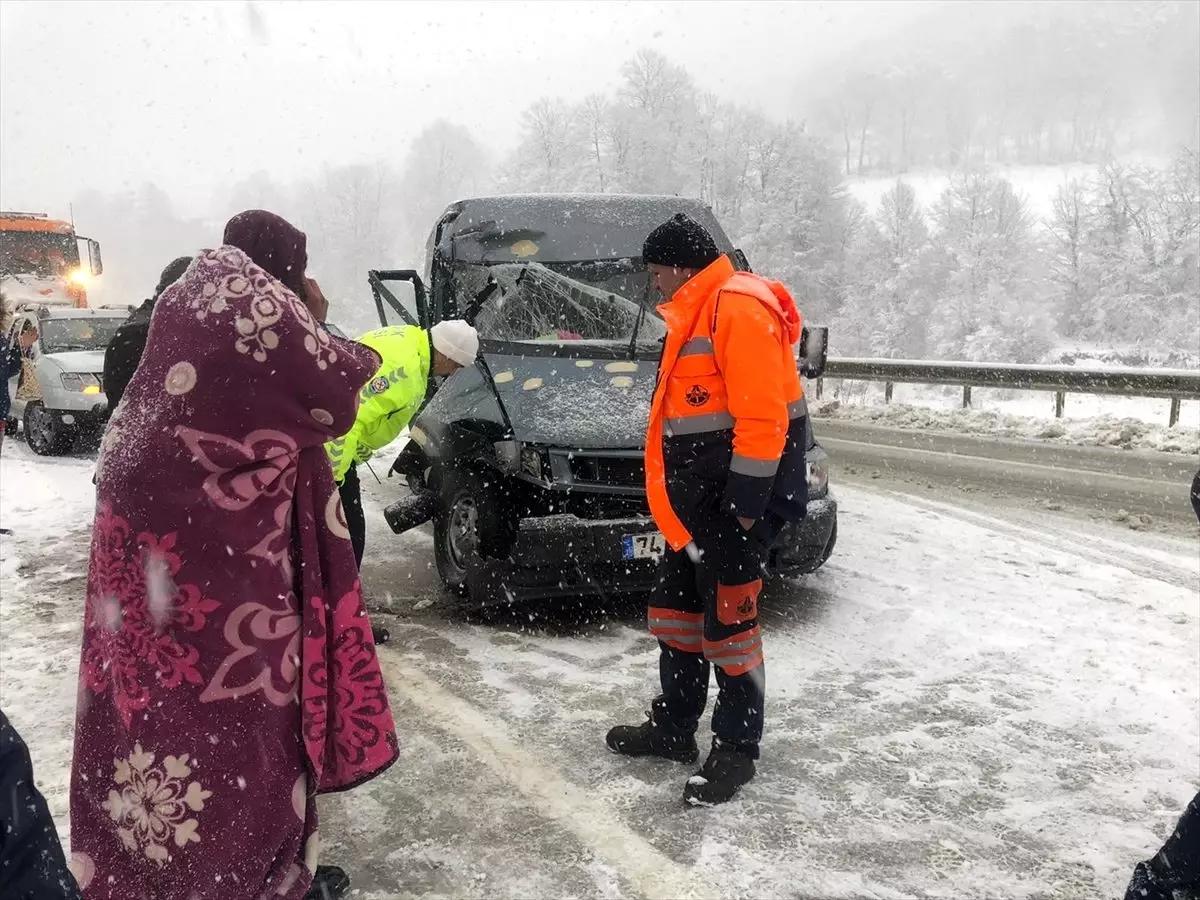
[[481, 298], [71, 348], [637, 325]]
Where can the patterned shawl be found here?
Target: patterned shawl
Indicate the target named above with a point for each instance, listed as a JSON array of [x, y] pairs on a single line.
[[228, 671]]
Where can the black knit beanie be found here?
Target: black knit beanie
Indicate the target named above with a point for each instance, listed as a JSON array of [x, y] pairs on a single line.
[[171, 274], [681, 242]]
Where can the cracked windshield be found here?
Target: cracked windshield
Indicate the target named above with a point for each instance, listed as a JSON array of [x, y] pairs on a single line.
[[416, 451]]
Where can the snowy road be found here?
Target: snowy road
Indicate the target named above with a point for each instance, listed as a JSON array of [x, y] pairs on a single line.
[[959, 706], [1106, 479]]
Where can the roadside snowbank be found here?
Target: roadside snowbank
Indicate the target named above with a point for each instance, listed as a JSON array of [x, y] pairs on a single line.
[[1101, 431]]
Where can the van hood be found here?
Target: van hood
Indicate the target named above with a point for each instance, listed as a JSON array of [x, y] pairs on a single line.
[[83, 361], [575, 403]]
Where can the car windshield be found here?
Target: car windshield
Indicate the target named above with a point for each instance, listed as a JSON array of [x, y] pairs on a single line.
[[68, 334], [594, 301], [39, 253]]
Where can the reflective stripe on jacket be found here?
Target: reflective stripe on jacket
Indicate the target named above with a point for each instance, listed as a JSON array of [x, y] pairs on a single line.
[[728, 415], [389, 400]]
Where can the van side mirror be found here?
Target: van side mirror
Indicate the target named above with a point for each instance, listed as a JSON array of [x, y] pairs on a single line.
[[814, 351]]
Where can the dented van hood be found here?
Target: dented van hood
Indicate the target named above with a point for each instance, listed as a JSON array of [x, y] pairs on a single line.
[[575, 402]]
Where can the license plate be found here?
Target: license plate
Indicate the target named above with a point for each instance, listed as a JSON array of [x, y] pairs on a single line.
[[645, 546]]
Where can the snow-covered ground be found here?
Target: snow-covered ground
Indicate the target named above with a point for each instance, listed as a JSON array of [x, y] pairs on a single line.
[[1130, 422], [959, 706]]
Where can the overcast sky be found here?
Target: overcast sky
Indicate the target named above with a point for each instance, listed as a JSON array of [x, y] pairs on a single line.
[[196, 95]]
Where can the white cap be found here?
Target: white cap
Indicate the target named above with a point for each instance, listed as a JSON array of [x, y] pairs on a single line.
[[456, 340]]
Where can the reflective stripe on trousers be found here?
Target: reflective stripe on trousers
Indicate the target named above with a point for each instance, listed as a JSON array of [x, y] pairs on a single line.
[[681, 630], [738, 654]]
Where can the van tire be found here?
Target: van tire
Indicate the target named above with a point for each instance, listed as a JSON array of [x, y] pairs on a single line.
[[472, 526]]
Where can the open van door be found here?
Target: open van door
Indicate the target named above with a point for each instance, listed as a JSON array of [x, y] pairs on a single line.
[[400, 297]]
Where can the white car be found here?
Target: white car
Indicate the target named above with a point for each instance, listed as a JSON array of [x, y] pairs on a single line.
[[59, 393]]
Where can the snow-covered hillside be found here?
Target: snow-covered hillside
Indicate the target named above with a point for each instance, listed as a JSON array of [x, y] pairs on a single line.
[[1037, 184]]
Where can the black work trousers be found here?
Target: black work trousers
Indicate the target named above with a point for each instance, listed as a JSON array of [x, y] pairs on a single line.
[[704, 612], [1176, 867], [356, 519]]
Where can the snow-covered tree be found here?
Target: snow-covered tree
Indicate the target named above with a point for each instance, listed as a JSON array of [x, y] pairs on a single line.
[[351, 217], [991, 308], [896, 279], [445, 163]]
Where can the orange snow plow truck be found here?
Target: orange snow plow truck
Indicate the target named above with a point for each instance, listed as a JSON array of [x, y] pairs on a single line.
[[40, 261]]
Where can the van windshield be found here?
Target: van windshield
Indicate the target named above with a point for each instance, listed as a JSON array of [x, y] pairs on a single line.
[[593, 301], [83, 333]]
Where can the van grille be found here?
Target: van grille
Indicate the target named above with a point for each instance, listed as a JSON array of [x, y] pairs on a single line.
[[612, 471]]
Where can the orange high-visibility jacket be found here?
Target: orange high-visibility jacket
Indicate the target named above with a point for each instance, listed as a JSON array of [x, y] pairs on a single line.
[[729, 408]]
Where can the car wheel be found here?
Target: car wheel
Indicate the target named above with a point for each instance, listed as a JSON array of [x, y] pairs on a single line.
[[472, 527], [45, 433]]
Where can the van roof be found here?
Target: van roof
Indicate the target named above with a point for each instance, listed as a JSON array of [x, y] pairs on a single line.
[[563, 227]]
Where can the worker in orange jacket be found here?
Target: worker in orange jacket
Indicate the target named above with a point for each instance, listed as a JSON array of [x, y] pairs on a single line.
[[725, 471]]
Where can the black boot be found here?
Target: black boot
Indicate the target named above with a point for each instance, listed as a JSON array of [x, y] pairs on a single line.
[[649, 739], [329, 883], [721, 776]]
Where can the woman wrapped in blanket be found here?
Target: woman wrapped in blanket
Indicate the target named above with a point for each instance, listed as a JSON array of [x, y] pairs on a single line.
[[228, 673]]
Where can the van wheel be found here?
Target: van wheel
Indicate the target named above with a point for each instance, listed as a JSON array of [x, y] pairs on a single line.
[[473, 525], [45, 433]]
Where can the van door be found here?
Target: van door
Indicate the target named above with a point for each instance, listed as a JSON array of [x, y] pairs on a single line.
[[400, 297]]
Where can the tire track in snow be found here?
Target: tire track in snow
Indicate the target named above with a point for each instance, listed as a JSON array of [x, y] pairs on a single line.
[[594, 824]]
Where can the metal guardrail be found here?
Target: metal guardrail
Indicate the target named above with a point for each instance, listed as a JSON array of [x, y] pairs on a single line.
[[1172, 384]]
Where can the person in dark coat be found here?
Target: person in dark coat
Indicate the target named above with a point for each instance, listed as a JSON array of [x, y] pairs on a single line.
[[124, 351], [32, 863], [10, 366], [1175, 870]]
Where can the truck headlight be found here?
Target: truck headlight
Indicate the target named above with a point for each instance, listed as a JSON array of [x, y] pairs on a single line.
[[818, 472], [81, 383]]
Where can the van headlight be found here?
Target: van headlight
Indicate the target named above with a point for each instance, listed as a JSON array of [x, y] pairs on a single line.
[[534, 464], [81, 383], [516, 458], [508, 455]]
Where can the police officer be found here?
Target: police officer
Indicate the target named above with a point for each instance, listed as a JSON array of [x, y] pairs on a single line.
[[389, 401], [724, 472]]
